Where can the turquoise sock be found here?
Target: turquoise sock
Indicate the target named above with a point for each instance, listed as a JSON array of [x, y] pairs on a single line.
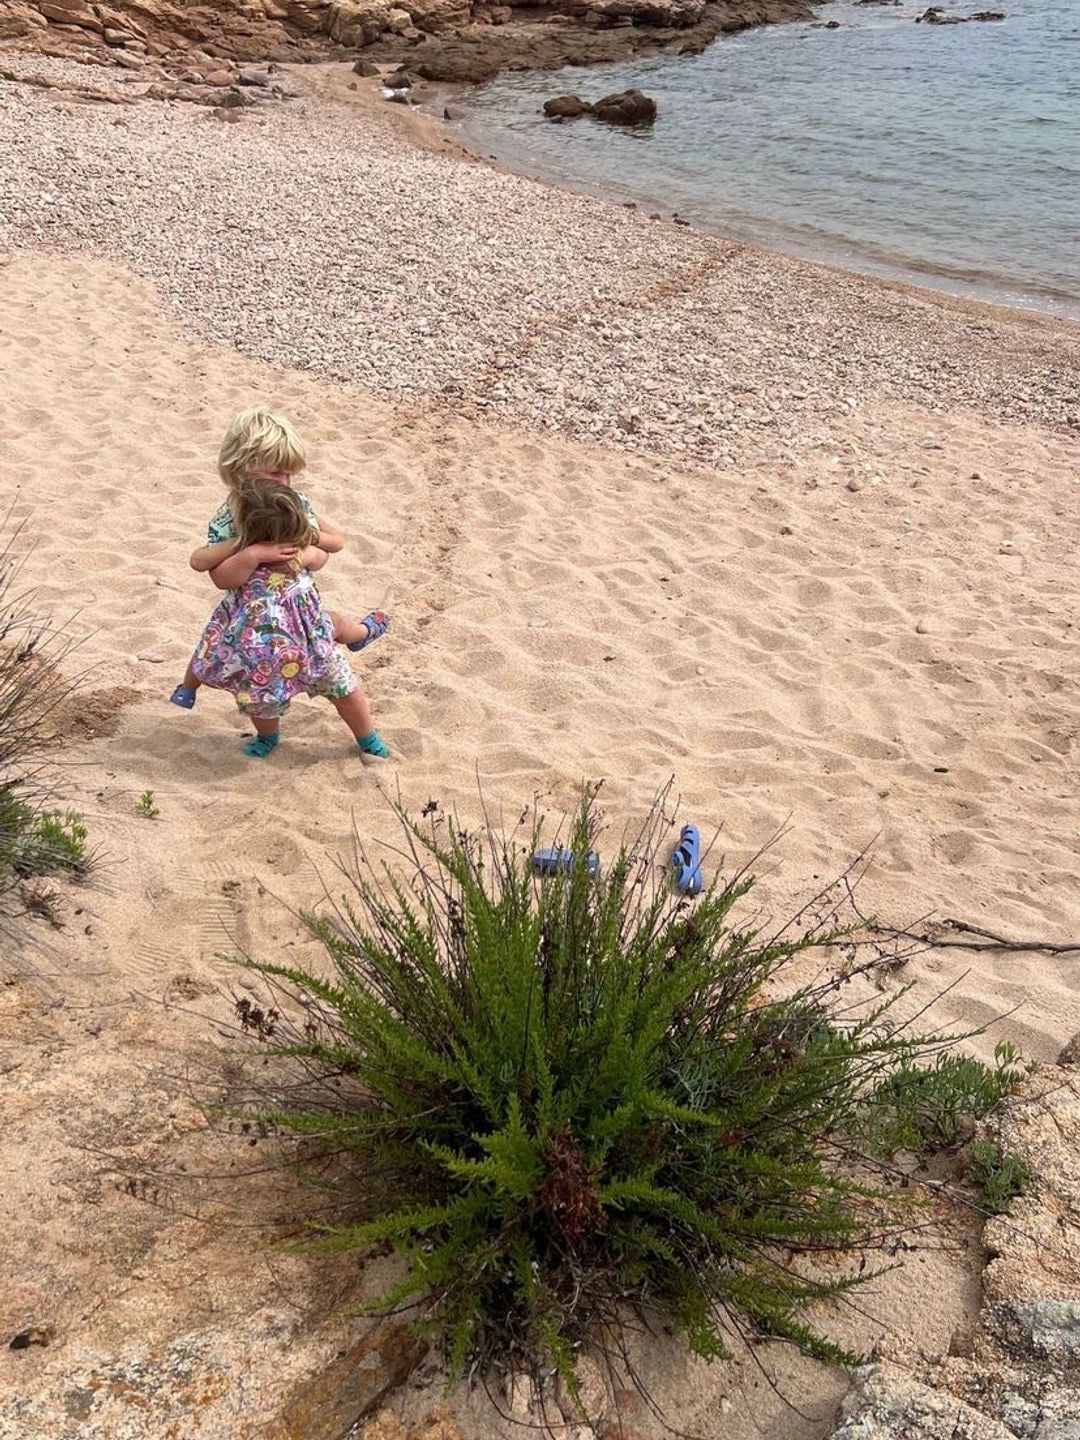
[[260, 746], [373, 745]]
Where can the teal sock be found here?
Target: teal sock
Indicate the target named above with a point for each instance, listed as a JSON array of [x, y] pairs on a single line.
[[373, 745], [260, 746]]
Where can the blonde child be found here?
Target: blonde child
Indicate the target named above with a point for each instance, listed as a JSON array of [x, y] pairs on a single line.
[[270, 638], [261, 446]]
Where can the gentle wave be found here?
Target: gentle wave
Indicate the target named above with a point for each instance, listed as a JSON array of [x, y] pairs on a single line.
[[948, 155]]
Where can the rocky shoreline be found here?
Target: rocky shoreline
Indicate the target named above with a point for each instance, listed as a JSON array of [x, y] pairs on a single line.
[[459, 41]]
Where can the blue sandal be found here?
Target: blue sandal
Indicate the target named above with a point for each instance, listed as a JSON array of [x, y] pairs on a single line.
[[551, 862], [686, 861], [377, 625], [260, 746], [373, 744], [183, 697]]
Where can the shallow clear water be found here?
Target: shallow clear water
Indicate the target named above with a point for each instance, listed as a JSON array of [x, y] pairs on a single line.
[[949, 155]]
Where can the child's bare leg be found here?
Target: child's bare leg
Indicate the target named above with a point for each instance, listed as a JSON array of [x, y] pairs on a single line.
[[356, 634], [356, 712], [346, 631]]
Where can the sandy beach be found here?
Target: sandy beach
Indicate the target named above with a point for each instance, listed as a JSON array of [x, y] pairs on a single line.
[[643, 503]]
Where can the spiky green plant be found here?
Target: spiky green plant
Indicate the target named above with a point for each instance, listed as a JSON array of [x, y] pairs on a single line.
[[35, 838], [568, 1100], [999, 1176]]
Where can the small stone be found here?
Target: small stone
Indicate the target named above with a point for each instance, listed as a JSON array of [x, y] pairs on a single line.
[[922, 628], [786, 530], [854, 484], [520, 1393], [1007, 547]]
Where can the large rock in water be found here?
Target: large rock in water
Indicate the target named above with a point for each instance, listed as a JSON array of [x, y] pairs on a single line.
[[629, 107], [566, 107]]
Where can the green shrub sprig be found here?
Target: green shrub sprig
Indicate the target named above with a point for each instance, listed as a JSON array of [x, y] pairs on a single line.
[[572, 1100]]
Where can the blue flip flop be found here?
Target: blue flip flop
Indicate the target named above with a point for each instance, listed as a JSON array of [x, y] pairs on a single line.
[[556, 860], [377, 625], [686, 861], [183, 697]]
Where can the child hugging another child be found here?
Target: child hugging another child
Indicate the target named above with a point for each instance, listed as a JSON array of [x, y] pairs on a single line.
[[270, 638]]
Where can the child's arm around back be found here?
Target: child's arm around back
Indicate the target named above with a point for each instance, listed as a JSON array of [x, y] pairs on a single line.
[[206, 557]]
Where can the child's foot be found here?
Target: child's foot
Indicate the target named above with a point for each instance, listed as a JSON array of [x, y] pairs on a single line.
[[183, 697], [373, 745], [377, 625], [260, 746]]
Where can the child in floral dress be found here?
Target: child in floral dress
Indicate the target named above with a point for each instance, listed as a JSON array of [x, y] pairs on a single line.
[[270, 638], [261, 446]]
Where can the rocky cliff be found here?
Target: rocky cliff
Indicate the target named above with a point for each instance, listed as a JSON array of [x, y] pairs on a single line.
[[276, 29]]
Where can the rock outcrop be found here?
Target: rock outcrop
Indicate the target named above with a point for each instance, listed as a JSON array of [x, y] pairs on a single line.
[[1018, 1376], [238, 29], [278, 30]]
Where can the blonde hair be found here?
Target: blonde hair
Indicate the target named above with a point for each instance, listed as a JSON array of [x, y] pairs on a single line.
[[271, 514], [259, 439]]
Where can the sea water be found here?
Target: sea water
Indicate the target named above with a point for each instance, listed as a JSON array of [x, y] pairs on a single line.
[[945, 155]]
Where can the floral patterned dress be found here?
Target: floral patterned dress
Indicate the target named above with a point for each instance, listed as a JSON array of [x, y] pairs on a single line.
[[269, 640]]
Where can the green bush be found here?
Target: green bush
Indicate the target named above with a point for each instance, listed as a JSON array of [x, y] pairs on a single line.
[[39, 842], [569, 1101], [999, 1177]]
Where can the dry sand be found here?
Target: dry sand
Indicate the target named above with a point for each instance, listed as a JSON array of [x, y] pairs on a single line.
[[871, 637]]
